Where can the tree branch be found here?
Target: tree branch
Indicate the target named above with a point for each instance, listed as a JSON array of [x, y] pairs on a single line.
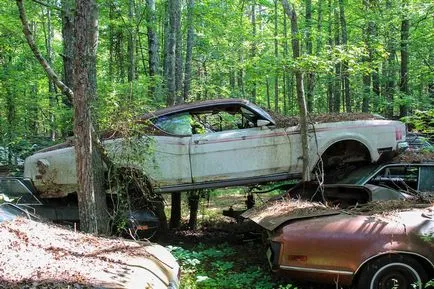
[[50, 72], [47, 5]]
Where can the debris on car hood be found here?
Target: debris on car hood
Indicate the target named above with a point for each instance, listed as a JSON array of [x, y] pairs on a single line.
[[40, 254], [273, 214], [414, 157]]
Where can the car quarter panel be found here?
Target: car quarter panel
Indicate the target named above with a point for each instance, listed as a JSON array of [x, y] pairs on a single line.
[[332, 247], [377, 136]]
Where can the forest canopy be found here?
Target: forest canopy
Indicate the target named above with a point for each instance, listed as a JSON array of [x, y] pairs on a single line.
[[356, 56]]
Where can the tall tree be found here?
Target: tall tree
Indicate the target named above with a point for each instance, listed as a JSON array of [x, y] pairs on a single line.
[[403, 83], [92, 204], [153, 51], [189, 49], [345, 71], [310, 76], [301, 99], [253, 49], [276, 55]]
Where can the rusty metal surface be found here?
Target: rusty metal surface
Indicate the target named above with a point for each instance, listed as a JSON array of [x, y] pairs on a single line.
[[342, 243]]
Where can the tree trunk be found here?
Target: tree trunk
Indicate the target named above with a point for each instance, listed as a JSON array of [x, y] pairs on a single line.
[[91, 196], [131, 43], [153, 58], [310, 77], [337, 89], [300, 90], [179, 68], [68, 44], [170, 55], [345, 73], [276, 56], [253, 50], [189, 49], [193, 204], [330, 89], [389, 68], [403, 84]]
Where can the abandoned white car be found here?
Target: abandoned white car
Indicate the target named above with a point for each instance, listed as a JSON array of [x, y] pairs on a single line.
[[220, 143]]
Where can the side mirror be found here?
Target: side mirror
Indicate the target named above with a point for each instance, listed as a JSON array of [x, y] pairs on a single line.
[[262, 122]]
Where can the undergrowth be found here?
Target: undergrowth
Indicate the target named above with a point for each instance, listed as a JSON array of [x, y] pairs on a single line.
[[205, 267]]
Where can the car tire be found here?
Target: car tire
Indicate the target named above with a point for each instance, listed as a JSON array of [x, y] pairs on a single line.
[[393, 271]]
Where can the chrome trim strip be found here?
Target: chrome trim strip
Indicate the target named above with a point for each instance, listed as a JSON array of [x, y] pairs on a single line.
[[313, 270]]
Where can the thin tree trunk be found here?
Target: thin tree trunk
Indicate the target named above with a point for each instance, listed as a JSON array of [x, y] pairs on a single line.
[[153, 54], [179, 68], [403, 84], [337, 89], [330, 87], [51, 85], [68, 43], [189, 49], [253, 50], [310, 77], [170, 55], [300, 90], [131, 43], [345, 73], [276, 55]]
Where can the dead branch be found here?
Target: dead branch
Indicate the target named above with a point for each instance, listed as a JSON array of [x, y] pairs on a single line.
[[29, 37]]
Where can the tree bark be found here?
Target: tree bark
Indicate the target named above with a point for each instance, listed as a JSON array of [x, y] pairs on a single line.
[[68, 43], [253, 49], [345, 73], [179, 68], [189, 49], [310, 77], [91, 196], [170, 54], [276, 55], [153, 57], [290, 11], [131, 43], [403, 83]]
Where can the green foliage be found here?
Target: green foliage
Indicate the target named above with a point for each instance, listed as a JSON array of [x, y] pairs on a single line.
[[214, 267], [421, 121]]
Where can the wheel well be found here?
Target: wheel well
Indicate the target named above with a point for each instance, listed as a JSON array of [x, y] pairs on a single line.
[[427, 265], [346, 151]]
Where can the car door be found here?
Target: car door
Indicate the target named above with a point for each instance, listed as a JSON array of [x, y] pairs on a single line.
[[162, 150], [226, 152]]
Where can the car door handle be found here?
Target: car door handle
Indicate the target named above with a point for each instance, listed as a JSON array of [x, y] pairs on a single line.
[[198, 141]]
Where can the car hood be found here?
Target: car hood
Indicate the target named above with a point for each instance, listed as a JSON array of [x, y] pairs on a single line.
[[275, 213]]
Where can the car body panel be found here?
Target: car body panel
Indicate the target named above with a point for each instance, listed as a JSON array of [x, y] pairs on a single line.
[[340, 244], [235, 154], [331, 241], [179, 150]]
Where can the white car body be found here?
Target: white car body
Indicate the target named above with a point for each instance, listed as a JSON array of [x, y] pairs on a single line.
[[259, 151]]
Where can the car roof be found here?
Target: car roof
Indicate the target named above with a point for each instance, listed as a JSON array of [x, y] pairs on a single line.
[[195, 105]]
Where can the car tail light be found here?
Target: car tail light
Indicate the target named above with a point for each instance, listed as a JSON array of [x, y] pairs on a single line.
[[398, 133]]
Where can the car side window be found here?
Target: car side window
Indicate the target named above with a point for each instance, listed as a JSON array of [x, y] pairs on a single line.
[[398, 177], [176, 124], [426, 183]]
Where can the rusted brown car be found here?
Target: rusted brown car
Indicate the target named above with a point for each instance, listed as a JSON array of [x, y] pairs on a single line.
[[353, 237]]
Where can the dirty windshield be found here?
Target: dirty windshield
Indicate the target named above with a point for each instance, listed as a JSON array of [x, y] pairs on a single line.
[[358, 176]]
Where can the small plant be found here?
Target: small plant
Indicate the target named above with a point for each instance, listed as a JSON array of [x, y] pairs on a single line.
[[214, 267]]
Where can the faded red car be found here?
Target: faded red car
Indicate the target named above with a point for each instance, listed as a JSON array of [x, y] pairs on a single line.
[[382, 244]]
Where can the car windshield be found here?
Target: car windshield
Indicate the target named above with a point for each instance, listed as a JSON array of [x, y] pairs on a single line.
[[16, 192], [358, 176], [9, 212]]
